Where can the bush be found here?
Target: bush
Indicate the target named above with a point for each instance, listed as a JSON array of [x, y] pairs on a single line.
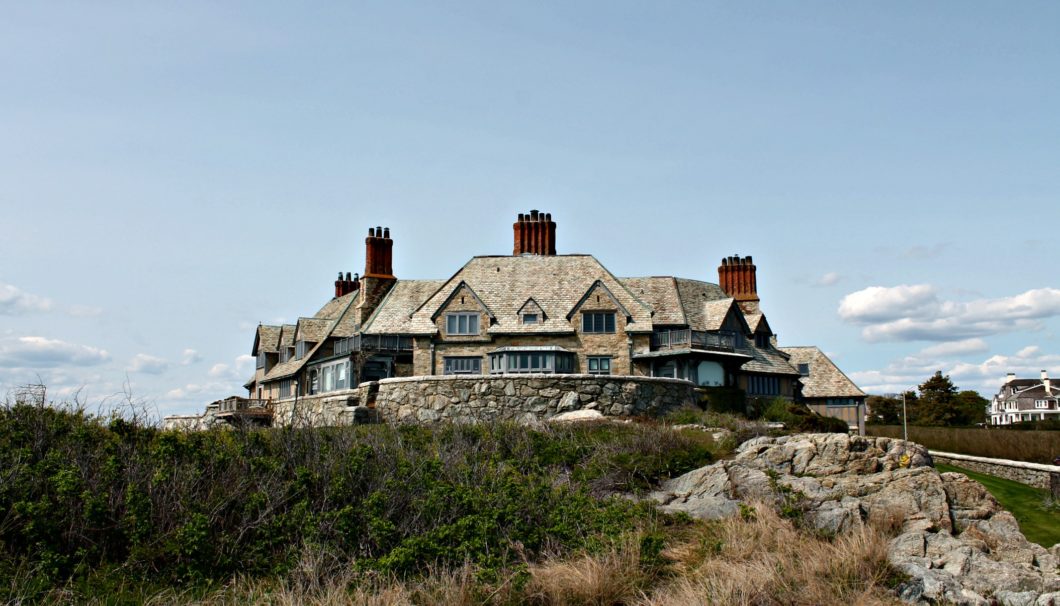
[[725, 400], [797, 417], [94, 503]]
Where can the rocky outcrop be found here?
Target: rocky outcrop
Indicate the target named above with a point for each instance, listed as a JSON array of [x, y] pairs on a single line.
[[953, 540]]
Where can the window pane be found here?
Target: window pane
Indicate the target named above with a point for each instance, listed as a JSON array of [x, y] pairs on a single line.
[[594, 364], [609, 322], [605, 364], [472, 327], [450, 324]]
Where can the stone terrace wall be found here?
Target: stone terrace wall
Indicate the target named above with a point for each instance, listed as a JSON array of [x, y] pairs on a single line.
[[526, 397], [1032, 474]]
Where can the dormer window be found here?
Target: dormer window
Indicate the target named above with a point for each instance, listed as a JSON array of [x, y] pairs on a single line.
[[261, 359], [461, 323], [530, 318], [804, 370], [300, 349], [761, 340]]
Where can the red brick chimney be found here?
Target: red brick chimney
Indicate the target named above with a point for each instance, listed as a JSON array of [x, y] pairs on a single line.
[[737, 277], [344, 286], [535, 234], [379, 253]]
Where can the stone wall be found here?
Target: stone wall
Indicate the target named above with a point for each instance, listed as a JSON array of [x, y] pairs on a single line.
[[525, 398], [1032, 474]]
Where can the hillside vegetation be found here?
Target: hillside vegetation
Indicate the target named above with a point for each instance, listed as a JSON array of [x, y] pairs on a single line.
[[106, 510]]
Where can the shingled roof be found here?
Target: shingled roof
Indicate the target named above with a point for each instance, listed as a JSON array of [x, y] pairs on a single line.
[[825, 379], [767, 360], [556, 283], [394, 314], [266, 339]]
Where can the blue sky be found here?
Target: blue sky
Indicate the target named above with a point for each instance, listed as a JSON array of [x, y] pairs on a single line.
[[172, 175]]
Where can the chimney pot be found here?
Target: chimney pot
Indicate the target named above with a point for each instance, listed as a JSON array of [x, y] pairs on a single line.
[[386, 232], [371, 232], [533, 215]]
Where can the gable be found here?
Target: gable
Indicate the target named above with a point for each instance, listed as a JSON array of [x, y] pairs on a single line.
[[531, 307], [463, 298], [599, 298]]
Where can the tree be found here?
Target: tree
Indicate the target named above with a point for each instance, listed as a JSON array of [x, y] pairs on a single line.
[[971, 407], [936, 404], [884, 411]]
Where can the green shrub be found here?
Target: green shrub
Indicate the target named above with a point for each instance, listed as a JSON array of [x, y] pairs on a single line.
[[797, 417], [92, 500]]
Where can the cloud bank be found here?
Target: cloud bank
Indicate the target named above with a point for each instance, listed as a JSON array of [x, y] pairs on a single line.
[[917, 313]]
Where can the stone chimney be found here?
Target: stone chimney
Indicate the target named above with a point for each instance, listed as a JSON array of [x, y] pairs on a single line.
[[344, 286], [737, 277], [535, 234]]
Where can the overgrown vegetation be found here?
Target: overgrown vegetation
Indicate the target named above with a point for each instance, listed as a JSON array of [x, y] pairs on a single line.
[[1018, 445], [799, 418], [90, 503], [104, 510], [1034, 508]]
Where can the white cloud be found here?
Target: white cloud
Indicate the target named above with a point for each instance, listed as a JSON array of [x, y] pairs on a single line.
[[148, 364], [40, 352], [15, 302], [189, 357], [218, 371], [955, 348], [829, 279], [916, 312], [985, 376]]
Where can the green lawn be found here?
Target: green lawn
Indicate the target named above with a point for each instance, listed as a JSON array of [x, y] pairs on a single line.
[[1039, 519]]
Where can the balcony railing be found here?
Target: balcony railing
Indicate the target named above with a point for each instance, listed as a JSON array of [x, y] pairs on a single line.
[[380, 343], [243, 405], [693, 339]]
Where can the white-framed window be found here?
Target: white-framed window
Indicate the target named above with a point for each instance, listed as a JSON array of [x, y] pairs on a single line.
[[331, 376], [1041, 404], [531, 318], [461, 323], [598, 322], [462, 366], [531, 361], [598, 365]]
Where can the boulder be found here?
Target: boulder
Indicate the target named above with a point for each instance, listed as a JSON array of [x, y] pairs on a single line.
[[954, 541], [577, 416]]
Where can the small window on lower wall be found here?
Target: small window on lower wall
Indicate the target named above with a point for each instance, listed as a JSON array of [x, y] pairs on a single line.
[[598, 365], [463, 366]]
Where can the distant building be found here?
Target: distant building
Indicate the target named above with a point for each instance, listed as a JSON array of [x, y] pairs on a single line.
[[825, 388], [536, 312], [1025, 400]]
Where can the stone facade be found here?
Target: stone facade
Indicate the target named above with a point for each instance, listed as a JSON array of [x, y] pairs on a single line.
[[1031, 474], [522, 398]]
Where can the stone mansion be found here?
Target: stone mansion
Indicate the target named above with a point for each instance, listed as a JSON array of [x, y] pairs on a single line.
[[538, 312]]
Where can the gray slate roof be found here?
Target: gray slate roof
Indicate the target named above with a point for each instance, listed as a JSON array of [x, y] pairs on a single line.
[[394, 314], [267, 339], [766, 360], [556, 283], [825, 379]]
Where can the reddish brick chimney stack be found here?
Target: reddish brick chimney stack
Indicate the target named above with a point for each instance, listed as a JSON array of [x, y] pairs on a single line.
[[535, 234], [344, 286], [737, 277], [379, 253]]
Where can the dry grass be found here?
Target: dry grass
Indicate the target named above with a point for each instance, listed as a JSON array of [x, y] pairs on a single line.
[[758, 559], [1033, 446], [763, 559]]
